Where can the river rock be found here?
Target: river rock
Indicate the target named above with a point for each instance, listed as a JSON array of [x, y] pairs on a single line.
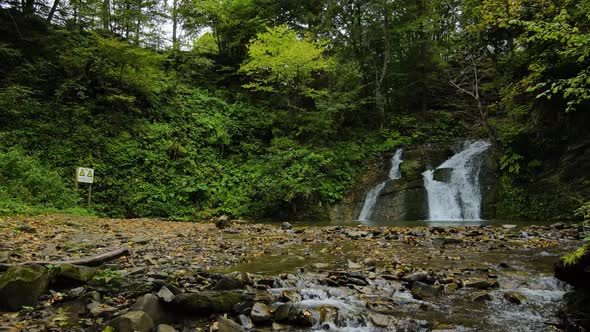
[[4, 257], [291, 314], [75, 273], [416, 276], [165, 294], [514, 297], [480, 297], [228, 325], [576, 272], [246, 322], [165, 328], [228, 282], [380, 320], [355, 235], [290, 295], [576, 310], [206, 302], [451, 288], [260, 313], [286, 226], [422, 290], [150, 304], [354, 266], [98, 309], [480, 283], [441, 241], [140, 239], [22, 285], [133, 321], [509, 226], [382, 305], [26, 228], [321, 266], [222, 222]]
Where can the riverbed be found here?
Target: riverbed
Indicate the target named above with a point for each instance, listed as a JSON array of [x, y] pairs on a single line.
[[492, 277]]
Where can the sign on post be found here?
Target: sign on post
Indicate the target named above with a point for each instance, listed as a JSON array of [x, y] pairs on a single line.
[[85, 175]]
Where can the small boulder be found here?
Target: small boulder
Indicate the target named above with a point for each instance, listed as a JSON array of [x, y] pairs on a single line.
[[228, 282], [575, 270], [150, 304], [22, 285], [26, 228], [207, 302], [260, 313], [290, 295], [75, 273], [416, 276], [165, 328], [133, 321], [480, 283], [286, 226], [441, 241], [165, 294], [222, 222], [139, 239], [422, 290], [451, 288], [480, 297], [228, 325], [4, 256], [514, 297], [289, 313], [246, 322], [354, 266]]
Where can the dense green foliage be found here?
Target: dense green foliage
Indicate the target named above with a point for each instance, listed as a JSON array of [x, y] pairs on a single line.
[[265, 108]]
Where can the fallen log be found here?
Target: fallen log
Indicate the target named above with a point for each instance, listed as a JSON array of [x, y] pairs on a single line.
[[88, 261]]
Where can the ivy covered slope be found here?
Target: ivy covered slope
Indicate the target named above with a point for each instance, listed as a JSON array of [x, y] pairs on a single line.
[[262, 108]]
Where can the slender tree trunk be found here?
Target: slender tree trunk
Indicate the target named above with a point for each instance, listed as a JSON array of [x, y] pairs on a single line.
[[106, 14], [422, 40], [174, 24], [137, 29], [379, 98], [52, 11]]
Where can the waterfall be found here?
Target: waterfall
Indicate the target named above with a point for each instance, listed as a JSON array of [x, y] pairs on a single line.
[[459, 197], [373, 195]]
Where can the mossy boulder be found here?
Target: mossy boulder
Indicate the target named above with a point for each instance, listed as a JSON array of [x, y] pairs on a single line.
[[74, 273], [22, 285], [574, 268], [207, 302]]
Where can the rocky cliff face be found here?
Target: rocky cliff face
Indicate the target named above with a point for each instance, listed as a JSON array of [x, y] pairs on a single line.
[[406, 198]]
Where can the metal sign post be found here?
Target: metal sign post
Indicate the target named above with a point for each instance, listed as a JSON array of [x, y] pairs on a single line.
[[85, 175]]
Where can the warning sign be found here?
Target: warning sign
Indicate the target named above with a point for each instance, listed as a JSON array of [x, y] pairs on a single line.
[[85, 175]]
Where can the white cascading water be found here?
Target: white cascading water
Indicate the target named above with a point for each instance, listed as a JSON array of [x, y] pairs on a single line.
[[373, 195], [460, 197]]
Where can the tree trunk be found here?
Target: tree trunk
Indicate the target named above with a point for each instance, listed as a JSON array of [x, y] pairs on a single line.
[[106, 14], [379, 99], [174, 24], [52, 11]]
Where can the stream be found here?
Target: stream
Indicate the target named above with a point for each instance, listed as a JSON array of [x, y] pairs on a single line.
[[344, 286]]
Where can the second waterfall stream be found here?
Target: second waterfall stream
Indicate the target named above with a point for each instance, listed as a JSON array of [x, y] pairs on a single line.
[[373, 195], [459, 197]]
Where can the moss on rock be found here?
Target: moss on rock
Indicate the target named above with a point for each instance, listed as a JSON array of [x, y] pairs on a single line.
[[208, 302], [22, 286]]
